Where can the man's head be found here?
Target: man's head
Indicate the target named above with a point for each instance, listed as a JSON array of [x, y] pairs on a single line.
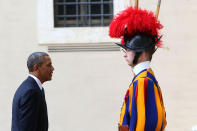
[[133, 58], [138, 48], [39, 64]]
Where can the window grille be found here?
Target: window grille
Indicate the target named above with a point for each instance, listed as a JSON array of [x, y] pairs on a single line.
[[82, 13]]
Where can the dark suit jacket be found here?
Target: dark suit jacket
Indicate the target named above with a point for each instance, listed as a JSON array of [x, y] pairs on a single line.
[[29, 110]]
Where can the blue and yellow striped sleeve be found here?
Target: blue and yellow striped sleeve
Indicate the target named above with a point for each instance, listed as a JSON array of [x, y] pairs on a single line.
[[143, 107], [124, 115]]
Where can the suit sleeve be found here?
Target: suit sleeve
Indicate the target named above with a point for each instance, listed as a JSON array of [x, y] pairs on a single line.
[[29, 111]]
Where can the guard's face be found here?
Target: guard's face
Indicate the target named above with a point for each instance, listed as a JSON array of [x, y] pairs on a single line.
[[45, 70], [129, 56]]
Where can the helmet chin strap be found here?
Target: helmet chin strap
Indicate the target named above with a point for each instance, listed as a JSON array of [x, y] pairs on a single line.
[[137, 55]]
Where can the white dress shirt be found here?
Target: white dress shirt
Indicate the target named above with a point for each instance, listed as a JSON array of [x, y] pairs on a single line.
[[37, 81], [140, 67]]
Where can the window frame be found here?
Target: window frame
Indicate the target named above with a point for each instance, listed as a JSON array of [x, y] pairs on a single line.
[[49, 35]]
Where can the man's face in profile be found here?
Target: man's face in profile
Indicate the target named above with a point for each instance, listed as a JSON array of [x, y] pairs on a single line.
[[45, 70]]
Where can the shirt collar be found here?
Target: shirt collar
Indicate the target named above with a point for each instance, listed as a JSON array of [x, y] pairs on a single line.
[[37, 81], [141, 66]]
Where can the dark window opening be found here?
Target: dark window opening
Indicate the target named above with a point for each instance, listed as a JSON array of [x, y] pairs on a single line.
[[82, 13]]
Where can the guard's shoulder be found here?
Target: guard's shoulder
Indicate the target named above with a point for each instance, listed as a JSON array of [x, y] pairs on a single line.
[[141, 79], [144, 81]]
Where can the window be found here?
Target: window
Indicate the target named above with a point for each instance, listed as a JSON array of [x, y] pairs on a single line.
[[52, 31], [82, 13]]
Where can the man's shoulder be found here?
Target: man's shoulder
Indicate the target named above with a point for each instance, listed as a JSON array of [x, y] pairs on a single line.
[[143, 80], [140, 79], [27, 86], [28, 82], [147, 75]]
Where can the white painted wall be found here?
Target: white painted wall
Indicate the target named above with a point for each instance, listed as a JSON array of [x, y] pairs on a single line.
[[88, 87]]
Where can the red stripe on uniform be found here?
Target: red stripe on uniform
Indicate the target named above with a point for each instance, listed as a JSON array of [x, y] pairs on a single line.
[[160, 96], [126, 96], [136, 90]]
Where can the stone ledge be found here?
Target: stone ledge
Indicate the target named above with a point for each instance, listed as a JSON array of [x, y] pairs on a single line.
[[82, 47]]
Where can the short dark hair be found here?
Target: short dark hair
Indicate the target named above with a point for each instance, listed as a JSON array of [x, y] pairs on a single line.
[[35, 58]]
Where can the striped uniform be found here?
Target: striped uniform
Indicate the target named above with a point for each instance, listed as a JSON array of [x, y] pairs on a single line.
[[143, 108]]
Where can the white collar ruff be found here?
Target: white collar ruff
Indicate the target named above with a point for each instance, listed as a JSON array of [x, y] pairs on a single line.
[[140, 67]]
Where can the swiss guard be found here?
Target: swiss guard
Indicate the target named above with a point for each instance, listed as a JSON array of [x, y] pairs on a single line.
[[143, 107]]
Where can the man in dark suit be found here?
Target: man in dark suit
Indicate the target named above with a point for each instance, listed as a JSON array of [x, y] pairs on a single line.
[[29, 109]]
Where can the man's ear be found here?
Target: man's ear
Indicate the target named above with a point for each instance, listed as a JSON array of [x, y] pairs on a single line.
[[35, 67]]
